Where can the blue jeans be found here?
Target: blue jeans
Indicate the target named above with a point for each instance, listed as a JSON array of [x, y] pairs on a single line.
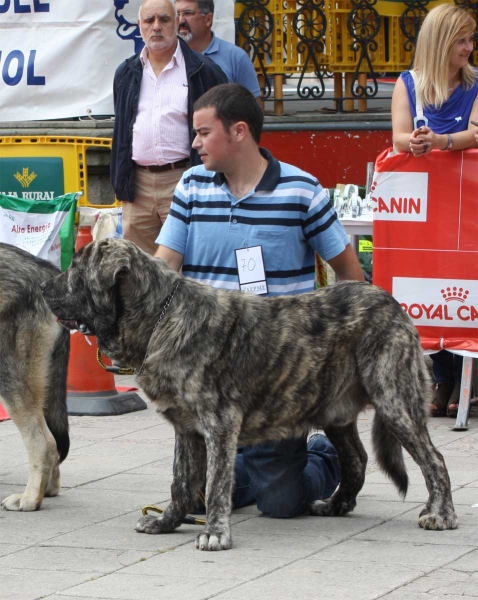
[[447, 367], [284, 477]]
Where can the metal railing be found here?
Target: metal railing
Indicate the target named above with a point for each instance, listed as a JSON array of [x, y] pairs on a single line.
[[309, 41]]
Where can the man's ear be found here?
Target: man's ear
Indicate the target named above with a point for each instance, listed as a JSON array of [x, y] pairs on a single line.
[[240, 130]]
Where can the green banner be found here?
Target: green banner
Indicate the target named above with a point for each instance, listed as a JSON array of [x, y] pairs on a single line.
[[32, 178]]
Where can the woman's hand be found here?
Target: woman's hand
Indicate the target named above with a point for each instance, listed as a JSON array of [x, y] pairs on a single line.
[[423, 140], [418, 142]]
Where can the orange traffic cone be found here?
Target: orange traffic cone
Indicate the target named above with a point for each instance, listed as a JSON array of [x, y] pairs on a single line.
[[3, 414], [90, 388]]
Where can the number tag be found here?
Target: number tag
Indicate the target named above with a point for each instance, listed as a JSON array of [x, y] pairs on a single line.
[[250, 267]]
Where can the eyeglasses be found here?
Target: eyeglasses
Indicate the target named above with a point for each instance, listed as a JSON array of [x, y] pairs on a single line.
[[188, 13]]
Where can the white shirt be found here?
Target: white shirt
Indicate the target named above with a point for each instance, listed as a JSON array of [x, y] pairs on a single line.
[[160, 132]]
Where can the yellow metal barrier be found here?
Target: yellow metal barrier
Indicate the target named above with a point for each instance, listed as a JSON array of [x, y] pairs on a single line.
[[323, 26], [43, 167], [284, 57], [390, 55]]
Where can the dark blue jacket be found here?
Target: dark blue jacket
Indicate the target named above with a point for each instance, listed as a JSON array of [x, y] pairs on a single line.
[[202, 74]]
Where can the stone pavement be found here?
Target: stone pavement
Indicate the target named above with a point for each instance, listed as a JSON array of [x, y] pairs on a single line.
[[82, 544]]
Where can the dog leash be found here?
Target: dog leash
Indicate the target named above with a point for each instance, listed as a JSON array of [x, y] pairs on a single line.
[[128, 370], [113, 368], [189, 519]]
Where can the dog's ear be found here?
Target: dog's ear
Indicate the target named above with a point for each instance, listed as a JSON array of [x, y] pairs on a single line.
[[117, 266], [114, 264]]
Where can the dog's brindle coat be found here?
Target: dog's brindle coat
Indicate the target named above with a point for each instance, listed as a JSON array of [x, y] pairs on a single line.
[[228, 368], [33, 366]]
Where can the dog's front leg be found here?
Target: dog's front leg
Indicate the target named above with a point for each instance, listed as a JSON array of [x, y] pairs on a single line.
[[189, 473], [221, 448]]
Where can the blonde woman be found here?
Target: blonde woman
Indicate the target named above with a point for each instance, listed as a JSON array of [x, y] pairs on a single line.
[[446, 84], [446, 87]]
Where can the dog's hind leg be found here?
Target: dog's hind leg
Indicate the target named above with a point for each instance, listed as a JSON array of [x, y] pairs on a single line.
[[28, 356], [189, 474], [399, 388], [413, 435], [55, 409], [353, 462]]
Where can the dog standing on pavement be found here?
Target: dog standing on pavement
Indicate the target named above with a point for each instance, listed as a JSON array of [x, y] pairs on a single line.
[[228, 368], [34, 352]]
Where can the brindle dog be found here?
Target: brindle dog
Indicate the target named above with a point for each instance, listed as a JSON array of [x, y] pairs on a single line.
[[228, 368]]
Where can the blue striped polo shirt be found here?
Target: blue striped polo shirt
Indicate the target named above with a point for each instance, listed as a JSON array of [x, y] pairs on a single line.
[[288, 214]]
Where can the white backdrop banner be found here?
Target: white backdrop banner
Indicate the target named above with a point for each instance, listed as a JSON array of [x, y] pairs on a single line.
[[57, 58]]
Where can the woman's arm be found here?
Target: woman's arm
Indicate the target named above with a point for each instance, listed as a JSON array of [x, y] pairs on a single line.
[[405, 138], [402, 122]]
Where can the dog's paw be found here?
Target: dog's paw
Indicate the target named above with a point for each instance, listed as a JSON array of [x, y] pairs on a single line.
[[438, 522], [331, 508], [219, 540], [153, 525], [20, 502]]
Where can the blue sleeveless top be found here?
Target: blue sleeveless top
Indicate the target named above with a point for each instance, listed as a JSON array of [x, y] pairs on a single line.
[[453, 115]]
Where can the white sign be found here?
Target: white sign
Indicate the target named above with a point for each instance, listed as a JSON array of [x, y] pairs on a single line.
[[399, 196], [251, 271], [58, 59], [438, 302]]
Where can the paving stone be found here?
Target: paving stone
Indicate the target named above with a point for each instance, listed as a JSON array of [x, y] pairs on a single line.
[[20, 584]]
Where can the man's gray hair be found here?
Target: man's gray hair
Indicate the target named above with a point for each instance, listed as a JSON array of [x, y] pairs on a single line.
[[205, 6], [172, 4]]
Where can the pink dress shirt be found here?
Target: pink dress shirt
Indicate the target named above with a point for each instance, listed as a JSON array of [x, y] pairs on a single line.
[[160, 132]]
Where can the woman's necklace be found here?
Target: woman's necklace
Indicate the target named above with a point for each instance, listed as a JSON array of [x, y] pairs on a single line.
[[454, 86]]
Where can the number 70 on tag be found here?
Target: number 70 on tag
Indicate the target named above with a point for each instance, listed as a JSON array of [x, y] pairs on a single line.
[[251, 270]]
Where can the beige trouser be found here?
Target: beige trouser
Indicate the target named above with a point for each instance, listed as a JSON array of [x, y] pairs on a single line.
[[143, 218]]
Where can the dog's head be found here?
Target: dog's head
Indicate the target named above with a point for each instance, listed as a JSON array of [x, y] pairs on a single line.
[[87, 296]]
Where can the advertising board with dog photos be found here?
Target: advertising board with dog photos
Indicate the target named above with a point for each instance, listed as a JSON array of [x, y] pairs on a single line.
[[426, 242]]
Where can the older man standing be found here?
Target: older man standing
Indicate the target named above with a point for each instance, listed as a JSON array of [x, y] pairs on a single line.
[[195, 22], [153, 97]]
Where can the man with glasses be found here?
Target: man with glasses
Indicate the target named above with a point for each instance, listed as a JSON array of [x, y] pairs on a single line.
[[195, 22]]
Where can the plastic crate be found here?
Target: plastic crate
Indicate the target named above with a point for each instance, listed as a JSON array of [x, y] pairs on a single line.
[[43, 167]]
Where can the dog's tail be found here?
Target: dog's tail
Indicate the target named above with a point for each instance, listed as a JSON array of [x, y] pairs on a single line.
[[55, 411], [388, 452]]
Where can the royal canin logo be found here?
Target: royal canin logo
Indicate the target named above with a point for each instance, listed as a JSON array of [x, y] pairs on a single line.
[[400, 196], [454, 293], [435, 302]]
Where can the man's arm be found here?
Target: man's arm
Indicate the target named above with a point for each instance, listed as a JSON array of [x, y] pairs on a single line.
[[346, 265], [171, 257]]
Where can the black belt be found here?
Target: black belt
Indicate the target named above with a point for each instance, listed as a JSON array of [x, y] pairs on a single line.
[[169, 167]]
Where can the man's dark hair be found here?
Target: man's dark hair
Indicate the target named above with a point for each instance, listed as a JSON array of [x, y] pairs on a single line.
[[234, 103], [205, 6]]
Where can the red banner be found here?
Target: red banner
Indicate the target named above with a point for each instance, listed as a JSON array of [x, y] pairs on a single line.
[[425, 238]]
